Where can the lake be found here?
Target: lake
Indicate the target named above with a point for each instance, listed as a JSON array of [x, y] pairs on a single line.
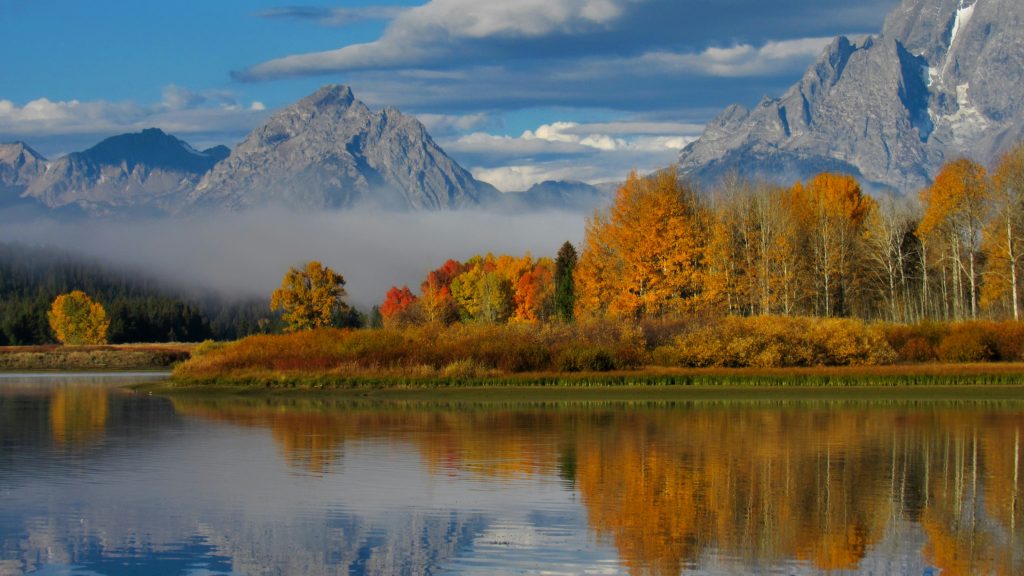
[[96, 479]]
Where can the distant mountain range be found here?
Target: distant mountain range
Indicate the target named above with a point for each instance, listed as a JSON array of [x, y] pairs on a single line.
[[328, 151], [944, 79]]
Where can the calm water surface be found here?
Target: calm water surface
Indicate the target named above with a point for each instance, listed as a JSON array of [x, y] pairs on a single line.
[[97, 480]]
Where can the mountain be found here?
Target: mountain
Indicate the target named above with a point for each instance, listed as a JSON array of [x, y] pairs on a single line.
[[149, 171], [566, 195], [942, 80], [329, 151], [19, 166]]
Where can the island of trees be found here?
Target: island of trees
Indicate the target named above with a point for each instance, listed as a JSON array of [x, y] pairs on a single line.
[[747, 274]]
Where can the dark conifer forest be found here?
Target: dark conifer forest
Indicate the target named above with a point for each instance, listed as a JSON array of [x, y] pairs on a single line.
[[141, 308]]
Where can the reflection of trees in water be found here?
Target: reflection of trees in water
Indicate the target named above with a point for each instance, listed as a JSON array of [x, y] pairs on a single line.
[[78, 416], [759, 484]]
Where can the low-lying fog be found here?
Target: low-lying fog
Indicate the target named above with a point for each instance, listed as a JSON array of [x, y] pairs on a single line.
[[246, 254]]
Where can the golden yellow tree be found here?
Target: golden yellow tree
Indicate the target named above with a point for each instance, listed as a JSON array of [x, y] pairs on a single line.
[[309, 296], [1004, 238], [644, 258], [77, 320], [466, 288], [831, 210], [954, 212]]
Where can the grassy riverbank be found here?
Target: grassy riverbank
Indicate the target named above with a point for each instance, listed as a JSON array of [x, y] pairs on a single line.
[[654, 380], [732, 352], [93, 358]]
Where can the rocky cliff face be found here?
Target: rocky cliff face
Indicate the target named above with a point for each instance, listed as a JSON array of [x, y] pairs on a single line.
[[19, 166], [329, 151], [942, 80], [147, 171]]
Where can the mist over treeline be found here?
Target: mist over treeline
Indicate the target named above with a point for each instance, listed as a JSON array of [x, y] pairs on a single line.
[[140, 308], [211, 276], [245, 255]]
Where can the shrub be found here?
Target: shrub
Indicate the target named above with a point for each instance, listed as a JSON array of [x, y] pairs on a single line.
[[917, 349], [592, 346], [916, 342], [583, 358], [776, 341], [463, 369], [965, 343], [1006, 340]]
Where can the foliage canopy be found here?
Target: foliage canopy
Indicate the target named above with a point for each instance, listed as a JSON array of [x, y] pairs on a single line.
[[309, 297], [77, 320]]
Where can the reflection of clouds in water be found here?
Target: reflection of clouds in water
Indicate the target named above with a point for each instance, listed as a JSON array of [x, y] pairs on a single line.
[[248, 253], [379, 511]]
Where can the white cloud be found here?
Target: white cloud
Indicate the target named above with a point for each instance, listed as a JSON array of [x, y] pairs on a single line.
[[439, 124], [435, 30], [603, 136], [593, 153], [43, 116], [737, 60], [522, 177], [180, 112], [511, 146]]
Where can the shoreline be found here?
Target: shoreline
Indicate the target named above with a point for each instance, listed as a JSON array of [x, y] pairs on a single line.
[[621, 394], [104, 358], [1006, 378]]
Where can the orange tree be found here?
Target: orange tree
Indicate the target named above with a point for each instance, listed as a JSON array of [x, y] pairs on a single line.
[[644, 257]]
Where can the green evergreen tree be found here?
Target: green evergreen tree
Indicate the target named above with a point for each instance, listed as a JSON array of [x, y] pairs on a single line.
[[565, 289]]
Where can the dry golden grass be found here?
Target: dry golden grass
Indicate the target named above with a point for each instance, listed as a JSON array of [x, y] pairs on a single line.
[[107, 357]]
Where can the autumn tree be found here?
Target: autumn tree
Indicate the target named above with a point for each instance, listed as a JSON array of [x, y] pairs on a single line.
[[1004, 238], [309, 296], [77, 320], [400, 307], [890, 250], [644, 256], [730, 270], [485, 290], [565, 287], [534, 293], [831, 210], [954, 213], [597, 274], [466, 287], [436, 301]]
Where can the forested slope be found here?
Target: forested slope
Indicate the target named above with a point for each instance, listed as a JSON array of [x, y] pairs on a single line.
[[141, 309]]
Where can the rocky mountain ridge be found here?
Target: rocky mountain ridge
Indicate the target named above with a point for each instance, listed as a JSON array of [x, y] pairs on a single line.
[[942, 80], [147, 171], [20, 165], [330, 151]]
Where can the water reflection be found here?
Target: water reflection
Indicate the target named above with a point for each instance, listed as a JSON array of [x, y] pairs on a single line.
[[759, 485], [78, 416], [96, 480]]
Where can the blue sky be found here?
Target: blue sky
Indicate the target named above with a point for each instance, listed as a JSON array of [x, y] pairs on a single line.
[[516, 90]]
